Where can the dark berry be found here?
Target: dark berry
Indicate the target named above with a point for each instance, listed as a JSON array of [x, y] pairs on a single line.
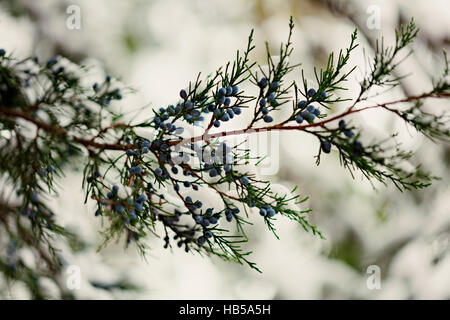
[[245, 180], [183, 94], [326, 146], [268, 119], [301, 104], [263, 83], [311, 92]]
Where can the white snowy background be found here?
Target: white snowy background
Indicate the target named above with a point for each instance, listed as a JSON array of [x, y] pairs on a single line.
[[158, 46]]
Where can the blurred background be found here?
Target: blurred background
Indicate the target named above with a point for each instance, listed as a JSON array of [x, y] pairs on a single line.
[[158, 46]]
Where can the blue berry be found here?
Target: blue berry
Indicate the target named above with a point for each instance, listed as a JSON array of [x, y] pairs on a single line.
[[237, 110], [274, 85], [194, 113], [43, 171], [51, 62], [158, 171], [211, 107], [310, 117], [229, 217], [208, 234], [145, 150], [310, 108], [189, 105], [183, 94], [213, 172], [213, 220], [299, 119], [176, 187], [142, 198], [316, 112], [216, 123], [34, 197], [326, 146], [187, 184], [235, 90], [138, 206], [271, 97], [115, 189], [201, 240], [265, 110], [268, 119], [2, 52], [225, 117], [311, 92], [245, 180], [222, 91], [227, 168], [348, 133], [262, 102], [301, 104], [270, 212], [206, 223], [120, 209], [130, 152], [342, 124], [323, 95], [51, 168], [110, 195], [263, 212], [263, 83], [221, 100], [228, 91], [198, 219]]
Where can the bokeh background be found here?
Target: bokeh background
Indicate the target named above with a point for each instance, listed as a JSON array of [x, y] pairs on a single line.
[[158, 46]]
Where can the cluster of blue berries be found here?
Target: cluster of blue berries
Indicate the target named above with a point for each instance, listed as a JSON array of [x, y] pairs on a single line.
[[133, 205], [268, 102], [307, 112], [357, 145], [222, 112], [136, 170], [44, 171], [209, 218], [267, 211], [185, 109], [104, 97]]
